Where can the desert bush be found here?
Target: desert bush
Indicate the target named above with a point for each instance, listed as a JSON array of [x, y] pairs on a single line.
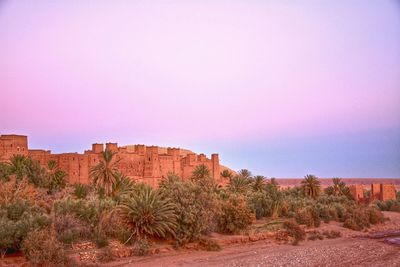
[[4, 172], [80, 191], [308, 216], [294, 230], [42, 248], [208, 244], [332, 234], [357, 218], [352, 224], [89, 211], [388, 205], [314, 235], [17, 219], [70, 229], [235, 215], [375, 215], [196, 208], [14, 190]]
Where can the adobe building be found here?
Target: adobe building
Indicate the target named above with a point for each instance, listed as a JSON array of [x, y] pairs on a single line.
[[148, 164], [380, 192]]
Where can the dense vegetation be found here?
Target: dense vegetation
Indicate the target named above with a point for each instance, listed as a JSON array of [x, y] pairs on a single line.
[[40, 212]]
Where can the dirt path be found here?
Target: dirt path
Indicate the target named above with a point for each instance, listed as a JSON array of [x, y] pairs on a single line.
[[334, 252]]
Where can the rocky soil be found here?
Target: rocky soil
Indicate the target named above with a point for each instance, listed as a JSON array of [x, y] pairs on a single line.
[[352, 249]]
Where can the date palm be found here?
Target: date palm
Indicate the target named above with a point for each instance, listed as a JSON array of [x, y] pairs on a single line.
[[200, 172], [122, 187], [311, 186], [56, 176], [239, 185], [245, 173], [258, 183], [148, 214], [104, 174], [226, 174], [19, 166]]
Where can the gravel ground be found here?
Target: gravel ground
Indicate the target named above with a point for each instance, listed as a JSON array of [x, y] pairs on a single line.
[[349, 250], [334, 252]]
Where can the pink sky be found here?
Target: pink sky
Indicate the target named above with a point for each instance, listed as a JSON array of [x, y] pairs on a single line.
[[207, 75]]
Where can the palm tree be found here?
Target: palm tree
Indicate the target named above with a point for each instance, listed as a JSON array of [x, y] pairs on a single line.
[[200, 172], [226, 174], [238, 184], [56, 176], [122, 187], [258, 183], [19, 166], [201, 176], [104, 174], [148, 213], [311, 186], [245, 173], [338, 188]]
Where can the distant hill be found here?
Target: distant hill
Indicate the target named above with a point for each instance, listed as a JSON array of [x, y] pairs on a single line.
[[290, 182]]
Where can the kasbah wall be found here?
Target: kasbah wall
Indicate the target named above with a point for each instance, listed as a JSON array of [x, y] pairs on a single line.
[[139, 162], [380, 192]]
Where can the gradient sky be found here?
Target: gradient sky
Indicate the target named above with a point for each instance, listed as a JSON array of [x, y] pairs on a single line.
[[283, 88]]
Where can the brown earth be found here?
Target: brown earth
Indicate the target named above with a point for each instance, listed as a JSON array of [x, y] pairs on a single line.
[[352, 249]]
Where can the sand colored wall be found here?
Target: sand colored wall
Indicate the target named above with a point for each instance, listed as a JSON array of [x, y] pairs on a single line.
[[388, 191], [139, 162], [380, 192], [357, 192], [12, 144]]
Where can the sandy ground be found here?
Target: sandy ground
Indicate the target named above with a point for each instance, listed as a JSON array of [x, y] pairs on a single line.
[[349, 250]]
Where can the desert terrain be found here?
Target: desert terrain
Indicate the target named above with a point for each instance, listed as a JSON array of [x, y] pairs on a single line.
[[368, 248]]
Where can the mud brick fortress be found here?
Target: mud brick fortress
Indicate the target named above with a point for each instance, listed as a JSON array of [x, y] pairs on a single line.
[[139, 162], [380, 192]]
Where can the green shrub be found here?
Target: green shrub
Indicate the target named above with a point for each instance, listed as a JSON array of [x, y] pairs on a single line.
[[332, 234], [308, 216], [314, 235], [375, 215], [41, 248], [17, 219], [352, 224], [209, 244], [235, 215], [294, 230], [388, 205], [196, 208], [357, 218], [69, 229], [80, 191]]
